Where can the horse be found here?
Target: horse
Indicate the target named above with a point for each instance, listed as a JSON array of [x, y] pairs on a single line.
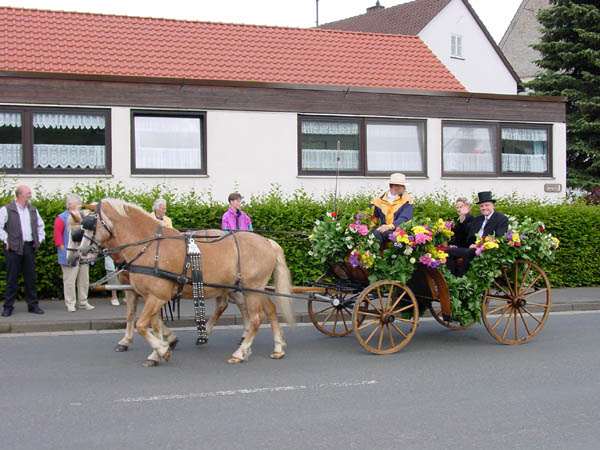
[[132, 298], [245, 258]]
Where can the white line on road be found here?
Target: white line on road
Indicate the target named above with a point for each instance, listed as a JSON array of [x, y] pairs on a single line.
[[223, 327], [248, 391]]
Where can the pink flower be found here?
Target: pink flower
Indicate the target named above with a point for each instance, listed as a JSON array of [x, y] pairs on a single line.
[[360, 228]]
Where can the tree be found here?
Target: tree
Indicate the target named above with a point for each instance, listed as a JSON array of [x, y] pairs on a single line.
[[570, 49]]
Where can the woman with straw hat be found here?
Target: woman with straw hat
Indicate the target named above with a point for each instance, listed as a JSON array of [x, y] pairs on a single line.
[[392, 208]]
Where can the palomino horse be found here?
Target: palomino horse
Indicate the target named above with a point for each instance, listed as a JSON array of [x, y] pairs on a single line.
[[252, 261], [132, 298]]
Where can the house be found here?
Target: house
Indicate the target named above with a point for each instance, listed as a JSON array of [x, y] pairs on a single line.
[[522, 33], [213, 107], [453, 32]]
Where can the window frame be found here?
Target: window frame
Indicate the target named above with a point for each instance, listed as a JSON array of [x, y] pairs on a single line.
[[169, 113], [363, 170], [458, 38], [498, 173], [27, 140]]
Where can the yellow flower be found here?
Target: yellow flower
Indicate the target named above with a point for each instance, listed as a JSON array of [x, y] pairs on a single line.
[[555, 242], [419, 229], [488, 245]]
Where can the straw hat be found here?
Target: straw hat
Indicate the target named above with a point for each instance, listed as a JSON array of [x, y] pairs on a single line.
[[398, 178]]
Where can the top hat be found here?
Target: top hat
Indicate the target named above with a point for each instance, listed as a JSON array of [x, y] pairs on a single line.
[[485, 196], [398, 178]]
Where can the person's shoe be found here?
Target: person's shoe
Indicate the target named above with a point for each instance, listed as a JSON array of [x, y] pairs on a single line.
[[7, 312], [36, 310], [86, 306], [115, 302], [71, 309]]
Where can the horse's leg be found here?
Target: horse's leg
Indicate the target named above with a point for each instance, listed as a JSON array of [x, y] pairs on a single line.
[[221, 306], [238, 298], [152, 305], [131, 300], [271, 312], [253, 302], [167, 334]]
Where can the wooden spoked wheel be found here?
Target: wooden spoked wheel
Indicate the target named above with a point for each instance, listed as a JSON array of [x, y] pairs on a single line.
[[516, 307], [436, 312], [332, 319], [385, 318]]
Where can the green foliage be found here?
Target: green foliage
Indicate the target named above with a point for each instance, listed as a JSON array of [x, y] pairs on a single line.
[[570, 50], [290, 219]]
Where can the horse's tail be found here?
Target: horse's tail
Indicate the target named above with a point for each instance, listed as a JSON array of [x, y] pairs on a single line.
[[283, 283]]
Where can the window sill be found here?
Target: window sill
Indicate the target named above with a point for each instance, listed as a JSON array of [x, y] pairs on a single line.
[[361, 177], [460, 58], [492, 177], [167, 175], [57, 175]]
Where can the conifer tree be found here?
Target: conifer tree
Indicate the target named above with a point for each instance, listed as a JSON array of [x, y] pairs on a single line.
[[570, 62]]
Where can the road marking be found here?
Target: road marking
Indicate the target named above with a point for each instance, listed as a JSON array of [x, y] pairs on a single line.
[[223, 327], [247, 391]]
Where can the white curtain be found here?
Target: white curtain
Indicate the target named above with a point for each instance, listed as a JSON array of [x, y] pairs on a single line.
[[10, 119], [69, 121], [525, 134], [339, 128], [468, 149], [319, 159], [394, 147], [167, 142], [528, 153], [68, 156], [10, 156], [512, 162]]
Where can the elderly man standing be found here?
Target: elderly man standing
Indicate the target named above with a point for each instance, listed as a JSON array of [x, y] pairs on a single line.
[[77, 275], [22, 231], [159, 210]]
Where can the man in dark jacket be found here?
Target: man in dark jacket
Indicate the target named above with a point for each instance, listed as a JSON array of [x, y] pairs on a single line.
[[489, 223], [22, 231]]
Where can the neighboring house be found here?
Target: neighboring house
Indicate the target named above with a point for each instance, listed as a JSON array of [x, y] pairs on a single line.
[[213, 107], [453, 32], [522, 33]]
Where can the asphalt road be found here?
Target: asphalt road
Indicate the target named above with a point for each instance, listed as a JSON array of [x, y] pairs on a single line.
[[445, 390]]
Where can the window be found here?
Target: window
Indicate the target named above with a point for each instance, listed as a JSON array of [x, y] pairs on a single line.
[[168, 142], [11, 147], [366, 146], [524, 150], [496, 149], [53, 140], [456, 48], [469, 148], [395, 147]]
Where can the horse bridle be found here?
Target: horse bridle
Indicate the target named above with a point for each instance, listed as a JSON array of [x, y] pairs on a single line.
[[89, 223]]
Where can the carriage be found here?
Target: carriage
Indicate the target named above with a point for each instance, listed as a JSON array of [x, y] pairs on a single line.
[[384, 315]]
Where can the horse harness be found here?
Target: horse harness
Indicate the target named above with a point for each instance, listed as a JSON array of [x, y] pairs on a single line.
[[192, 261]]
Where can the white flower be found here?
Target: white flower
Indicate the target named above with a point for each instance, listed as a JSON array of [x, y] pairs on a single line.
[[317, 222], [412, 260], [408, 250], [349, 246]]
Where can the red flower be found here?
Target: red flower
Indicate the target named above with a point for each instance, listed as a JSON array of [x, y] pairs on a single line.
[[541, 228], [333, 214]]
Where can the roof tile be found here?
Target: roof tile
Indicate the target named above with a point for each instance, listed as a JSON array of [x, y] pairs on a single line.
[[52, 42]]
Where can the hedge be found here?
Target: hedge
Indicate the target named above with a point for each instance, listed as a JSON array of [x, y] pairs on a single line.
[[289, 219]]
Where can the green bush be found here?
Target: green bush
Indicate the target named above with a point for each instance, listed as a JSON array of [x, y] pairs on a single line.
[[290, 219]]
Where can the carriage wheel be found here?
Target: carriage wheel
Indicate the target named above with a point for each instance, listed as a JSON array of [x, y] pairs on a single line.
[[517, 306], [386, 315], [332, 319], [436, 312]]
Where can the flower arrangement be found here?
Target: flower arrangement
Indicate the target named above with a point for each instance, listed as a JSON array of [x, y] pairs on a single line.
[[363, 246]]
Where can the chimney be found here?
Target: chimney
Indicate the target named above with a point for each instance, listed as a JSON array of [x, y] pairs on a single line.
[[377, 7]]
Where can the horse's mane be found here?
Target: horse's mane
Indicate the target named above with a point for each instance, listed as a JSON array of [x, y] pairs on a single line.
[[123, 208]]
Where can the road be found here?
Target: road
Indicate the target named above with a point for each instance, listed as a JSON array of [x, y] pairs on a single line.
[[445, 390]]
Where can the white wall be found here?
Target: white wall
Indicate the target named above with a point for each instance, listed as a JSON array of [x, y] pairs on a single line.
[[251, 151], [481, 70]]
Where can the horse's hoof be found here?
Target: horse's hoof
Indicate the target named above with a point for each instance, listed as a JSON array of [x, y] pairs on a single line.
[[150, 363], [234, 360], [173, 344], [121, 348], [277, 355], [167, 355]]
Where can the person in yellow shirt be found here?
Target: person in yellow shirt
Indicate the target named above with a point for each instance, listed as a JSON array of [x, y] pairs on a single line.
[[159, 210], [392, 208]]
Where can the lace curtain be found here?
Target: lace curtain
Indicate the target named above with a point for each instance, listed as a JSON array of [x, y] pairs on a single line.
[[58, 156], [68, 121], [10, 156], [326, 158], [10, 119], [338, 128], [167, 142], [468, 149], [531, 156], [393, 147], [319, 159]]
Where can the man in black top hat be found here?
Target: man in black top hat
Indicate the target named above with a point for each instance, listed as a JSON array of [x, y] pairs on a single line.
[[489, 222]]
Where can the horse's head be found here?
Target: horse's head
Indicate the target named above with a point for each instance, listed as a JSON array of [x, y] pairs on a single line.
[[97, 230], [74, 224]]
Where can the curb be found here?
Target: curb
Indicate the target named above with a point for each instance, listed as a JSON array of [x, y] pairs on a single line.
[[119, 324]]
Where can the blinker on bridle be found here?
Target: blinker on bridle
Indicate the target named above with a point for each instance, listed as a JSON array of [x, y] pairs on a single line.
[[90, 222]]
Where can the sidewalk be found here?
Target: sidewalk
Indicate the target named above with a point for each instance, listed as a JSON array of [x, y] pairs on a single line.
[[108, 317]]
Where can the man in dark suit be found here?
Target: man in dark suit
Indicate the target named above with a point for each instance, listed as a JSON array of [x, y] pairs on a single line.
[[489, 222]]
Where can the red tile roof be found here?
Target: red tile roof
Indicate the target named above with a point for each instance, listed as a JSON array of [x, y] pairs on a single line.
[[64, 43], [406, 18]]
